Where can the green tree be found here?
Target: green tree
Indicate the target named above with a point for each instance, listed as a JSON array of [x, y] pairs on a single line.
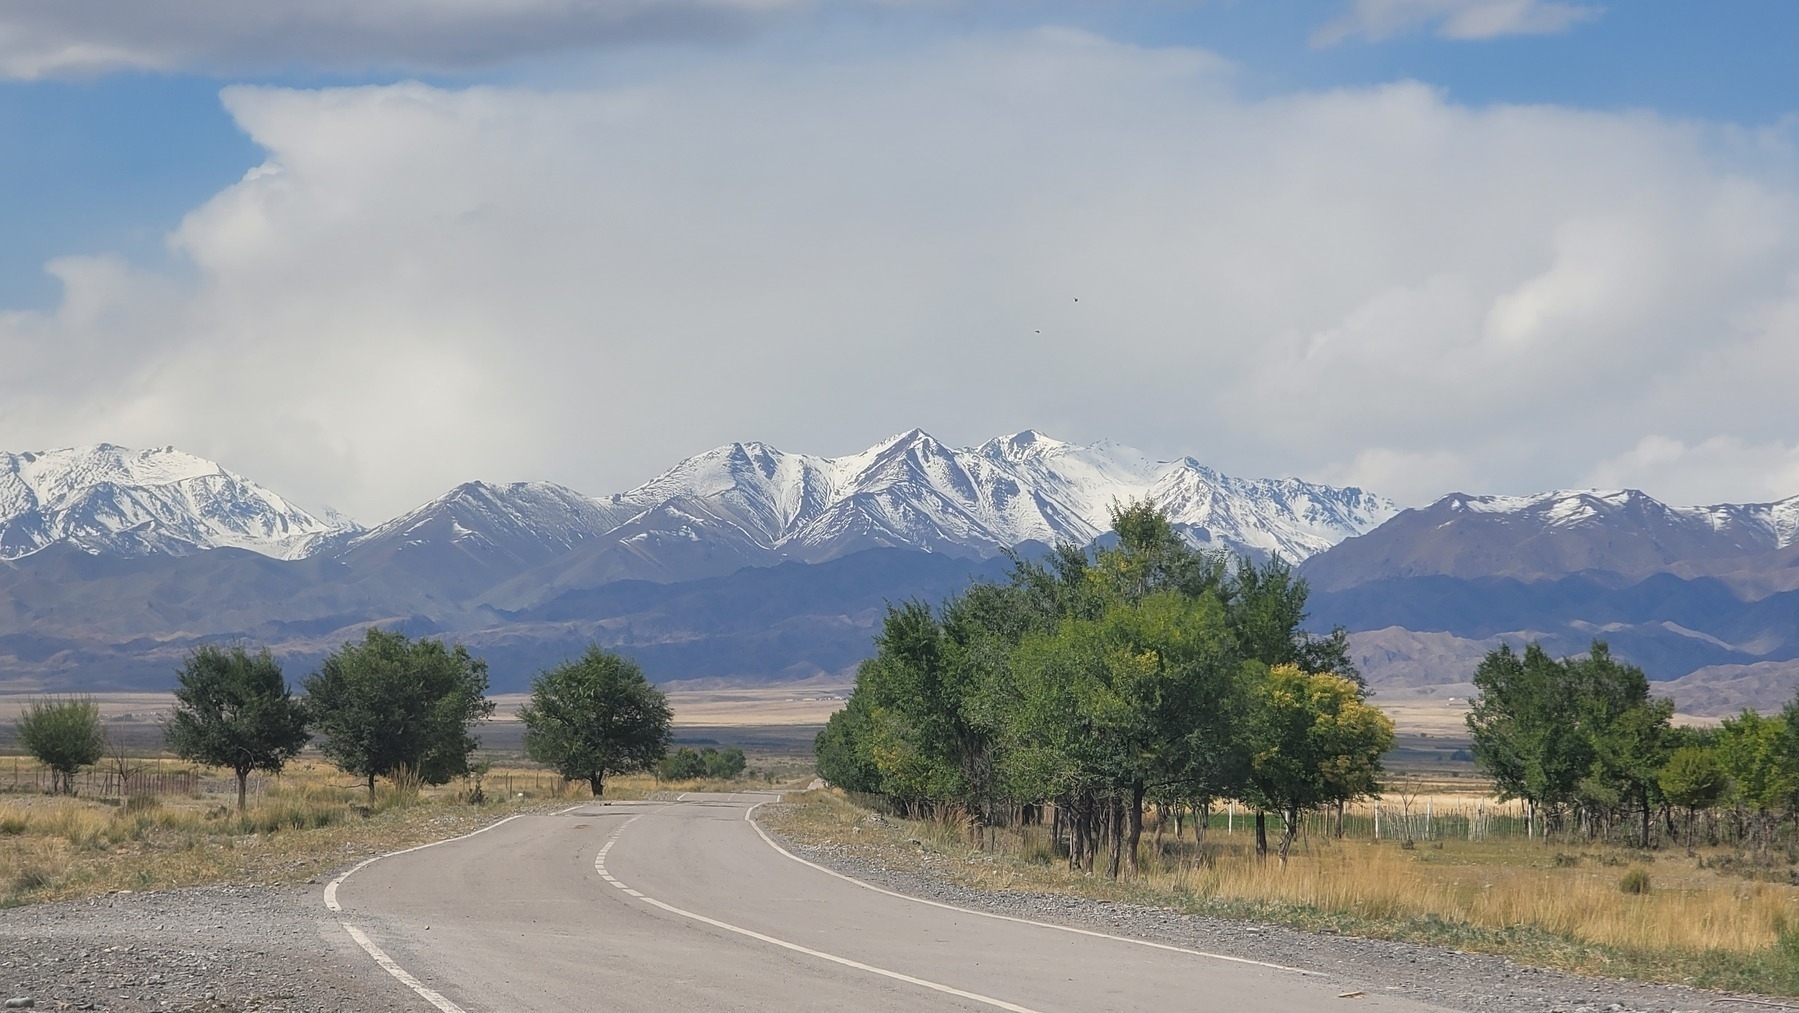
[[233, 709], [63, 734], [684, 764], [1575, 732], [1266, 603], [1315, 742], [1693, 779], [390, 705], [724, 764], [842, 747], [1127, 702], [595, 717], [1752, 750]]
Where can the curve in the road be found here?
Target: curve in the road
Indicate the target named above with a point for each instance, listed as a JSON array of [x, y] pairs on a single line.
[[599, 864], [864, 884], [558, 911]]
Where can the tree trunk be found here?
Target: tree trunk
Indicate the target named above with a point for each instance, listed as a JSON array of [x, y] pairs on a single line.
[[1115, 835], [371, 791], [1291, 815], [597, 782], [1134, 834], [1261, 834], [243, 777]]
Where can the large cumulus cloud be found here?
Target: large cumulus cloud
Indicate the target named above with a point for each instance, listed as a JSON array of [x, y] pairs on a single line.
[[423, 285]]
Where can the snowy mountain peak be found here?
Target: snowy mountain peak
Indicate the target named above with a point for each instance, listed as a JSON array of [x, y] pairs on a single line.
[[519, 520], [912, 490], [106, 498], [1776, 523]]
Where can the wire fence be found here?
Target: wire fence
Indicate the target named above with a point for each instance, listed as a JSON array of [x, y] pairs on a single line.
[[105, 783]]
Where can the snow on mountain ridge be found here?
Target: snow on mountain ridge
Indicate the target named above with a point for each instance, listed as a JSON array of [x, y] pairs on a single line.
[[1779, 520], [912, 490], [748, 500], [105, 498]]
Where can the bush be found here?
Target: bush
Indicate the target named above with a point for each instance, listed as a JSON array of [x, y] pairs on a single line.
[[726, 764], [1635, 881], [64, 735], [688, 764], [683, 764]]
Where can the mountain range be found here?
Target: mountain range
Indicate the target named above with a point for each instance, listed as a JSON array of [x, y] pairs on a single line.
[[749, 563], [1705, 599], [117, 561]]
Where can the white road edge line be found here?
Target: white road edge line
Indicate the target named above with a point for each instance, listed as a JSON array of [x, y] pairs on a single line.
[[388, 965], [386, 962], [331, 887], [770, 841], [599, 864]]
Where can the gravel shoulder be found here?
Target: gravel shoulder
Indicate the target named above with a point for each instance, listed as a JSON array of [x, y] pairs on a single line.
[[212, 948], [1479, 983]]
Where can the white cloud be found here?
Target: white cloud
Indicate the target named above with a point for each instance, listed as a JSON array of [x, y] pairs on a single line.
[[44, 38], [1719, 469], [1467, 20], [1408, 477], [423, 285]]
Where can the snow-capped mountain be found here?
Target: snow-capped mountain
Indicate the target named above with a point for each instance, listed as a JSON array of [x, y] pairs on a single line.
[[107, 499], [913, 491], [477, 535], [749, 504], [1624, 532], [1758, 526], [746, 504]]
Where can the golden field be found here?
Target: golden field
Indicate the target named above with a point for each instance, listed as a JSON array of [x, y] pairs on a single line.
[[1717, 919]]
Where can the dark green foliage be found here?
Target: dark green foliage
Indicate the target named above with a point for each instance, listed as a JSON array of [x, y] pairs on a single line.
[[1579, 733], [684, 764], [688, 764], [233, 709], [724, 764], [64, 735], [595, 717], [1095, 681], [842, 748], [394, 706]]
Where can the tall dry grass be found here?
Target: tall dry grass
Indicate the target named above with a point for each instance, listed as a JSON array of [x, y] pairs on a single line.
[[298, 826], [1542, 903]]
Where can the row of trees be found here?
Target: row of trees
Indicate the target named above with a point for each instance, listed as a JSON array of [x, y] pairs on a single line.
[[1102, 681], [387, 706], [1582, 742]]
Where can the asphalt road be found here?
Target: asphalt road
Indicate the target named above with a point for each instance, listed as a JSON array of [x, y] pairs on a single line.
[[667, 906]]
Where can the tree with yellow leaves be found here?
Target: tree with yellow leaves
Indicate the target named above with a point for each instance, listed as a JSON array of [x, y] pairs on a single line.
[[1314, 741]]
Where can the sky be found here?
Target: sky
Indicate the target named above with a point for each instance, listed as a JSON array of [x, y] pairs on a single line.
[[363, 250]]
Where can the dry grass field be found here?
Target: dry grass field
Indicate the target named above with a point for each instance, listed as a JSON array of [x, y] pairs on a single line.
[[1716, 919], [300, 826]]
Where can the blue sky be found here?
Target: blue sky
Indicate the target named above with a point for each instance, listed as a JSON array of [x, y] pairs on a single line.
[[117, 122], [111, 161]]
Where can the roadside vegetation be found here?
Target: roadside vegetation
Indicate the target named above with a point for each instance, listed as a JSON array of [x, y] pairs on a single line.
[[304, 824], [1090, 686], [1561, 905], [378, 753], [1094, 722]]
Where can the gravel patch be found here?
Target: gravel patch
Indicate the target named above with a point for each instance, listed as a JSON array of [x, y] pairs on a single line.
[[209, 949], [1478, 983]]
